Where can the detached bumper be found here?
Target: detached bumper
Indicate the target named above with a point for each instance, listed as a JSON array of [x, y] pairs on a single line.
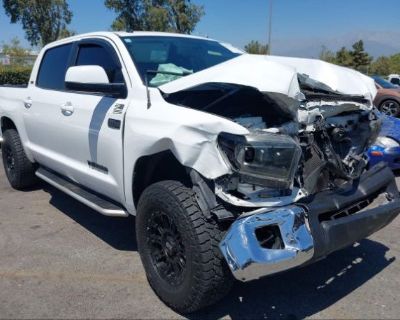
[[309, 231]]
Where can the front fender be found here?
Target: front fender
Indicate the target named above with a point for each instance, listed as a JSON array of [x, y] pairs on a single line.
[[190, 135]]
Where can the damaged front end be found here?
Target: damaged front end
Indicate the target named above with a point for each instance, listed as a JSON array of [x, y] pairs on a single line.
[[294, 148], [299, 187]]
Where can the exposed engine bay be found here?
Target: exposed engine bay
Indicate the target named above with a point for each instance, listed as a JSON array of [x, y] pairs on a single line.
[[295, 148]]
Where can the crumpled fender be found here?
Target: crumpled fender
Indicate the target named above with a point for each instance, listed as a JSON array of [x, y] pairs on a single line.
[[191, 135]]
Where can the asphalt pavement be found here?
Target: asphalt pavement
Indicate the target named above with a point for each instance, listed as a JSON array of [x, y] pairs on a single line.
[[60, 259]]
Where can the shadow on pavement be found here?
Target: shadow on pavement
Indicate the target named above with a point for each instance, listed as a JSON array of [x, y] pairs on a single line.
[[301, 293], [295, 294], [117, 232]]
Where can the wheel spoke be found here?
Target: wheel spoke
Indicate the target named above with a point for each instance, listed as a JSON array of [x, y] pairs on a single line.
[[390, 108], [175, 267], [159, 257], [10, 160], [166, 248]]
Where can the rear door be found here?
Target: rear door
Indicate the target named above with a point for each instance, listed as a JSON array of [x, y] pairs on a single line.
[[82, 132], [42, 112]]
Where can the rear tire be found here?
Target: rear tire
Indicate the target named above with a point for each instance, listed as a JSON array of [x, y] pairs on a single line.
[[19, 170], [179, 248]]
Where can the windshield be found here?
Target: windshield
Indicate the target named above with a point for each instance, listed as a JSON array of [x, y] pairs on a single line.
[[163, 59], [383, 83]]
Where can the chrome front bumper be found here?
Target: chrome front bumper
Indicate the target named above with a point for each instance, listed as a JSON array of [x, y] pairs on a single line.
[[248, 260], [309, 232]]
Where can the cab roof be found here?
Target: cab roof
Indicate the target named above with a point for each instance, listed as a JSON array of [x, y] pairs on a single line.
[[113, 35]]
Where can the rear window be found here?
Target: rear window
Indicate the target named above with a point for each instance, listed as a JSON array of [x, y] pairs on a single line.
[[54, 67]]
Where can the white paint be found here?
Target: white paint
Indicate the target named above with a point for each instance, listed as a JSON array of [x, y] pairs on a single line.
[[87, 74], [65, 144], [278, 75]]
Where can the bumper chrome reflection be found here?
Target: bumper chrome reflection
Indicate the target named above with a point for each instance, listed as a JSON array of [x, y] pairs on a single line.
[[248, 260]]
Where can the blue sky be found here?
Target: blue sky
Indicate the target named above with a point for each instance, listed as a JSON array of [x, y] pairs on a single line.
[[300, 27]]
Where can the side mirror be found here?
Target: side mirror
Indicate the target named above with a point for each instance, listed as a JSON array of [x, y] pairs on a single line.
[[93, 79]]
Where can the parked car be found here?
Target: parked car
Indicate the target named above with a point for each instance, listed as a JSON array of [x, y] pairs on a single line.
[[235, 165], [387, 146], [394, 79], [388, 98]]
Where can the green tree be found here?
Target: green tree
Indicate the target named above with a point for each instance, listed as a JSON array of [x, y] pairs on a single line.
[[179, 16], [255, 47], [44, 21], [395, 63], [17, 53], [360, 59], [130, 14], [327, 55], [344, 57], [381, 66], [14, 48], [183, 15]]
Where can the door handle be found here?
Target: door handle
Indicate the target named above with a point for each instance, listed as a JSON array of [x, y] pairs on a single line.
[[67, 109], [28, 103]]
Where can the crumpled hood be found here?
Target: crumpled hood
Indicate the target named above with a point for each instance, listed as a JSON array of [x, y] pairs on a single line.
[[273, 74]]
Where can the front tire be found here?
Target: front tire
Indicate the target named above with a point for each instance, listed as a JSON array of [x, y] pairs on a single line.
[[19, 170], [179, 248]]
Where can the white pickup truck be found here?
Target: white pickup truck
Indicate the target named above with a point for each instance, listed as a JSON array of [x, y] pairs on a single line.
[[235, 165]]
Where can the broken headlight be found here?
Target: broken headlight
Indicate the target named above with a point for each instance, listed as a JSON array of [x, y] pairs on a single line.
[[264, 159]]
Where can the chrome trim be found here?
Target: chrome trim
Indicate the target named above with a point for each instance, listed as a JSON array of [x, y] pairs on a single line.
[[94, 206], [249, 261]]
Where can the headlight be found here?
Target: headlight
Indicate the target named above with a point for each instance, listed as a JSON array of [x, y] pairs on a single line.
[[263, 159], [386, 142]]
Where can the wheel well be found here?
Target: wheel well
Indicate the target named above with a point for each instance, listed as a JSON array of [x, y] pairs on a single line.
[[154, 168], [7, 123]]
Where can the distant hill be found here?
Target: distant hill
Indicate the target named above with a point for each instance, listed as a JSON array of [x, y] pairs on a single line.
[[376, 43]]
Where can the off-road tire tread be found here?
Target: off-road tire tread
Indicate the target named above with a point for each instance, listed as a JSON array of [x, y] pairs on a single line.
[[214, 279], [25, 169]]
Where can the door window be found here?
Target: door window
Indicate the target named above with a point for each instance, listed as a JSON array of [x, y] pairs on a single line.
[[93, 54], [54, 67]]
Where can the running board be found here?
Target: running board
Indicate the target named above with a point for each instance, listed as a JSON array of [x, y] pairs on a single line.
[[84, 196]]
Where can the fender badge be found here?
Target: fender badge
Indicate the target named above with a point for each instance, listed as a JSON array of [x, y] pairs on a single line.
[[118, 108]]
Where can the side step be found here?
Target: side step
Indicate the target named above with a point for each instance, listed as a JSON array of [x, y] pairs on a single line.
[[88, 198]]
